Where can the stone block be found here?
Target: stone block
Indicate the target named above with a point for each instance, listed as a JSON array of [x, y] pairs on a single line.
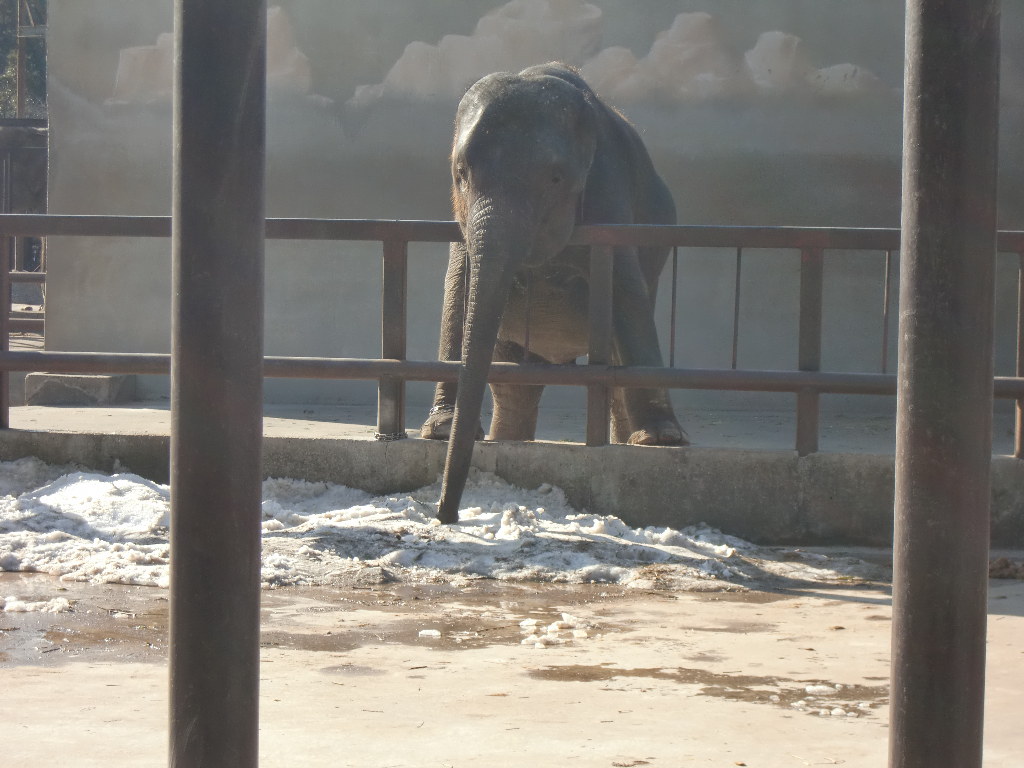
[[78, 389]]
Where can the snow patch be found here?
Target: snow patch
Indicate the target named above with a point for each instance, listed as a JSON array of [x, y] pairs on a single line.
[[114, 529], [18, 605]]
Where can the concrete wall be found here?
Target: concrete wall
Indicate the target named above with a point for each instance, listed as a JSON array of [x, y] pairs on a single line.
[[747, 128], [771, 496]]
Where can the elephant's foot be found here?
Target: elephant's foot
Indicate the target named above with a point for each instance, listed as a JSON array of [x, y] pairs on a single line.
[[660, 432], [438, 425]]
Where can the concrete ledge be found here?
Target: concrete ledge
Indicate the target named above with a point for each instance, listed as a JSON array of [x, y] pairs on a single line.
[[78, 389], [765, 496]]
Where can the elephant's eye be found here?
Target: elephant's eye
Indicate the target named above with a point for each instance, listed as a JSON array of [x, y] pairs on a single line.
[[556, 178], [460, 173]]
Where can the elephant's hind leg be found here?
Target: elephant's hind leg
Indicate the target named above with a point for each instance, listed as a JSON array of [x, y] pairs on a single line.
[[652, 418], [644, 415], [621, 430]]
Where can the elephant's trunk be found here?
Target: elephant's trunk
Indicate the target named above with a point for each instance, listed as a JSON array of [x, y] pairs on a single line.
[[493, 258]]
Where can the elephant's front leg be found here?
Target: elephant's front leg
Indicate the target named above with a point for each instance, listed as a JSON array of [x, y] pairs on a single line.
[[453, 317], [651, 416], [515, 405]]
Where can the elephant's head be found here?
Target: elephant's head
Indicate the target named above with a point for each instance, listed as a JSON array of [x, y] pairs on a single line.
[[522, 150]]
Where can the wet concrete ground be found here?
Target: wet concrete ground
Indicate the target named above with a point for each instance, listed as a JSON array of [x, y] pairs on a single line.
[[438, 675], [766, 679]]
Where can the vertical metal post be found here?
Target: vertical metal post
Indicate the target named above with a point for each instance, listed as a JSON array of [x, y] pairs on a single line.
[[528, 290], [394, 290], [8, 243], [6, 251], [673, 315], [5, 336], [22, 61], [1018, 430], [6, 184], [886, 304], [602, 261], [812, 271], [216, 380], [736, 308], [944, 405]]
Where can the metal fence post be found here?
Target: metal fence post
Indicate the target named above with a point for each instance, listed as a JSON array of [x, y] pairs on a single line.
[[20, 86], [216, 381], [602, 260], [390, 390], [5, 336], [812, 272], [945, 385], [8, 246], [1018, 426], [737, 285]]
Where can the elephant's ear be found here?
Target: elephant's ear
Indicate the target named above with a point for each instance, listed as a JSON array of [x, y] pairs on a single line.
[[588, 130]]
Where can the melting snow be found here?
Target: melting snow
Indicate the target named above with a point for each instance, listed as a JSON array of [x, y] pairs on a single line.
[[114, 529]]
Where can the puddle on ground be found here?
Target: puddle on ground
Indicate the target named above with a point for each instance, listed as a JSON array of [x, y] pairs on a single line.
[[352, 670], [106, 621], [705, 657], [735, 627], [118, 622], [750, 597], [803, 695], [328, 642]]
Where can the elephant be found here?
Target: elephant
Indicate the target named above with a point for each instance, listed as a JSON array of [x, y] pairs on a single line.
[[534, 154]]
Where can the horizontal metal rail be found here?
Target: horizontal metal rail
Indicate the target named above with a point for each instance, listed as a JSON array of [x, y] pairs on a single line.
[[24, 122], [392, 370], [736, 380], [26, 324], [692, 236], [28, 277], [59, 225]]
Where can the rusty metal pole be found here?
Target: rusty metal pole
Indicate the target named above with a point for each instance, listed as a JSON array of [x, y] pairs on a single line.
[[808, 402], [944, 406], [21, 87], [1018, 409], [216, 381], [602, 264], [394, 322], [7, 249]]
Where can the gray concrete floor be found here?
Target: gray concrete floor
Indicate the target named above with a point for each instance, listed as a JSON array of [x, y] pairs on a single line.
[[772, 430]]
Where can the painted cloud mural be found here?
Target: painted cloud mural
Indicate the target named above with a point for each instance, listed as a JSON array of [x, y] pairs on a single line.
[[145, 72], [687, 61], [513, 37]]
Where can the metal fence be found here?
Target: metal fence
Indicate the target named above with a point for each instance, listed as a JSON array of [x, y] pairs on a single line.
[[16, 260], [806, 380]]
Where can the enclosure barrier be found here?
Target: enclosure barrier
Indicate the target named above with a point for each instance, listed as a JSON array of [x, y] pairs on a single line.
[[12, 252], [807, 382]]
